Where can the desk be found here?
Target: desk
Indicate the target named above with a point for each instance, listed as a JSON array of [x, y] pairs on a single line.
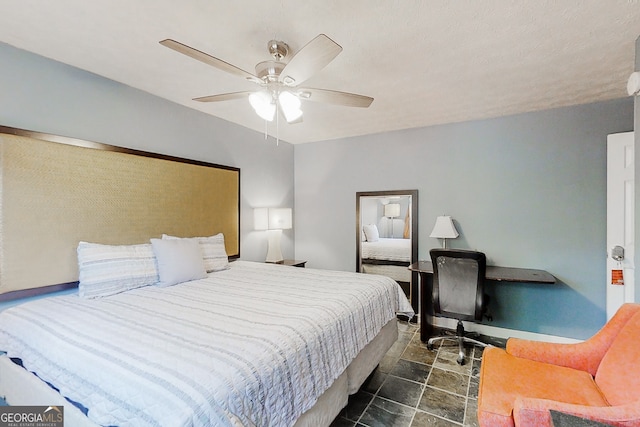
[[493, 273]]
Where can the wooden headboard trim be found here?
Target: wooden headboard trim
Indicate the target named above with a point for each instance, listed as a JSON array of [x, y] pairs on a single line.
[[106, 147], [35, 292]]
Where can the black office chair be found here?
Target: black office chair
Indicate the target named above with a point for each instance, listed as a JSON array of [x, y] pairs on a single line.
[[458, 291]]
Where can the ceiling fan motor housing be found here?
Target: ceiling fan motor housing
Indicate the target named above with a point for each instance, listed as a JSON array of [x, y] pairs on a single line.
[[268, 71], [278, 49]]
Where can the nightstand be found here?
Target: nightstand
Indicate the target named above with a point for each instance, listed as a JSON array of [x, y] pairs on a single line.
[[292, 262]]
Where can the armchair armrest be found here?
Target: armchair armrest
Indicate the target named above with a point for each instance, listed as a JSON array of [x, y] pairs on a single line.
[[585, 356], [582, 356], [529, 412]]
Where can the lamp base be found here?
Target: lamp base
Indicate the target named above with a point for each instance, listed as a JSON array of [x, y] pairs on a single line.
[[274, 253]]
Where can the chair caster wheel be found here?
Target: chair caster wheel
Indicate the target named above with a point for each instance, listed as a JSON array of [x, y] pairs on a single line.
[[460, 361], [429, 346]]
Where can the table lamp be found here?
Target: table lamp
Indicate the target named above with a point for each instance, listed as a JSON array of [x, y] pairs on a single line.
[[273, 220], [392, 210], [444, 229]]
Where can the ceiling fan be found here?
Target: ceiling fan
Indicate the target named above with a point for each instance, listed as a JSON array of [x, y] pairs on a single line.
[[279, 78]]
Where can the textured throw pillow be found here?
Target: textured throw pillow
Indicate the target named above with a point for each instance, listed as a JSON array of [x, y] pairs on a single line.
[[179, 260], [371, 232], [213, 251], [110, 269]]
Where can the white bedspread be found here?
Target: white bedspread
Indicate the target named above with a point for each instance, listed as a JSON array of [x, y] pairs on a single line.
[[254, 345], [387, 250]]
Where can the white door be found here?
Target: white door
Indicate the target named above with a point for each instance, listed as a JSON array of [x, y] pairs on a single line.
[[620, 219]]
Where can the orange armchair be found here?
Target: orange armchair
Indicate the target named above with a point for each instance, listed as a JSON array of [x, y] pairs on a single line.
[[598, 379]]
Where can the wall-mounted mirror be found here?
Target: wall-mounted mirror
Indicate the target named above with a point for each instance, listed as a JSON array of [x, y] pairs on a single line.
[[387, 237]]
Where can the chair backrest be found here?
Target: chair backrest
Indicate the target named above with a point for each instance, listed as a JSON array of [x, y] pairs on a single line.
[[618, 375], [458, 283]]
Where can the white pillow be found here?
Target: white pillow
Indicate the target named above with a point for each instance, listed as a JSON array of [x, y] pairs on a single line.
[[110, 269], [213, 251], [371, 232], [179, 260]]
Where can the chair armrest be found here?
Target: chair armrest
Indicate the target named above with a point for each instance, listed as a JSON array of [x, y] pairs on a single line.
[[582, 356], [529, 412], [585, 356]]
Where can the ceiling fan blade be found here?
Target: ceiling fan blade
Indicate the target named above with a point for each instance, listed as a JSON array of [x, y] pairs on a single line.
[[334, 97], [313, 57], [223, 97], [209, 60]]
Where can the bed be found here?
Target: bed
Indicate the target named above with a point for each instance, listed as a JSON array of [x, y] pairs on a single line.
[[385, 249], [236, 343], [388, 257], [246, 346]]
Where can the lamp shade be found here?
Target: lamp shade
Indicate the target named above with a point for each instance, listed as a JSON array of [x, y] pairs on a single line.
[[392, 210], [263, 105], [444, 228], [290, 105], [272, 218], [280, 218], [261, 218]]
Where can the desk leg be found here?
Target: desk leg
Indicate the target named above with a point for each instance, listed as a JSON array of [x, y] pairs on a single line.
[[426, 328], [415, 295]]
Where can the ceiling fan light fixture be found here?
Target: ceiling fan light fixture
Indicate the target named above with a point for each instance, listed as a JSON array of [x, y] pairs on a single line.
[[263, 105], [292, 116], [290, 105]]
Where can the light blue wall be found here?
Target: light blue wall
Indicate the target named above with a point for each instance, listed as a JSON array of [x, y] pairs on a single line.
[[529, 190], [43, 95]]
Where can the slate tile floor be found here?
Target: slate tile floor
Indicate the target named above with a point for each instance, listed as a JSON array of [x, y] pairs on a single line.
[[417, 387]]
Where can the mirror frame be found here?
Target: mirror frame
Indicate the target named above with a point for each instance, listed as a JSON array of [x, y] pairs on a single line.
[[414, 235]]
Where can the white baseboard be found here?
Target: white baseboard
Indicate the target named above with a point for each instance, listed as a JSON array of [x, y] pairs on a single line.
[[497, 332]]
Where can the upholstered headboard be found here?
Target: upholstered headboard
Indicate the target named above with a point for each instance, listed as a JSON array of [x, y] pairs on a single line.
[[57, 191]]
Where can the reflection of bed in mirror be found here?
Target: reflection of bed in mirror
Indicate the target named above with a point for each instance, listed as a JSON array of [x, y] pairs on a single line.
[[388, 257], [395, 250]]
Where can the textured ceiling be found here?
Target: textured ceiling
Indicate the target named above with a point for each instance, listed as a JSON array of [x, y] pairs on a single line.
[[425, 62]]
